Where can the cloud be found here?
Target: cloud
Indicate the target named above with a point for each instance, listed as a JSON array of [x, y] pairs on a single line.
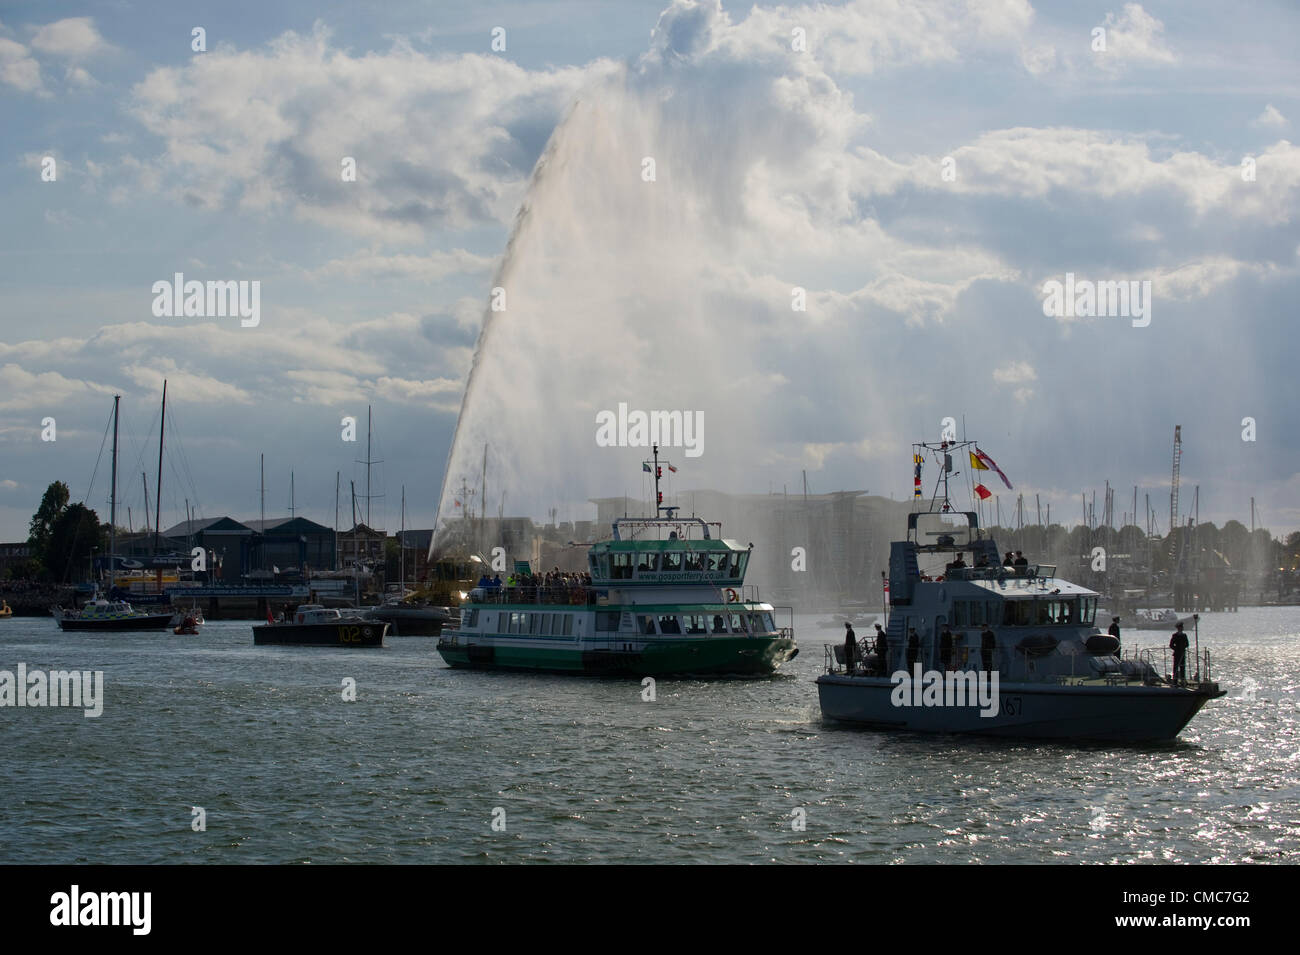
[[17, 67], [1271, 118], [1133, 38], [74, 37], [438, 141], [1015, 373], [43, 390], [425, 268]]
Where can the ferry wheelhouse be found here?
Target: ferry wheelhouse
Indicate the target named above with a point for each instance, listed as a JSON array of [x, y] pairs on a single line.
[[664, 596]]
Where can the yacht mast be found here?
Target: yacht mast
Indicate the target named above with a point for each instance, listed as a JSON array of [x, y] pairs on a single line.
[[157, 488], [112, 499]]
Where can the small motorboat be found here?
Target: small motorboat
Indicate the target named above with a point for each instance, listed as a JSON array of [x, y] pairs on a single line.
[[189, 626]]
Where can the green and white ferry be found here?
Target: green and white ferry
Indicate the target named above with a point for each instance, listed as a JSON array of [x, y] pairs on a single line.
[[667, 596]]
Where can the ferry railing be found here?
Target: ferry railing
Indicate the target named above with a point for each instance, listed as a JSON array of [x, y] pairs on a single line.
[[575, 594]]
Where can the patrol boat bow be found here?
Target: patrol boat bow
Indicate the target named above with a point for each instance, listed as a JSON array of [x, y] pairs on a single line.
[[1025, 657]]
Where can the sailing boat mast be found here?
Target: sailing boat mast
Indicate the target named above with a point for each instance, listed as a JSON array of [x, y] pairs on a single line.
[[401, 543], [112, 499], [157, 488]]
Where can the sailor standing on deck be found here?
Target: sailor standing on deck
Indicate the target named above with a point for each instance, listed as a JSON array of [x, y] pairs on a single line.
[[988, 644], [913, 648], [1114, 628], [882, 649], [945, 648], [850, 645], [1178, 643]]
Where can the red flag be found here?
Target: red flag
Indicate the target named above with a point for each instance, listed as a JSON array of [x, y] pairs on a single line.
[[671, 468], [983, 492], [269, 618]]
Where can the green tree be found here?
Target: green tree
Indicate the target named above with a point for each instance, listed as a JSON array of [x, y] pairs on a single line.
[[74, 537], [53, 504]]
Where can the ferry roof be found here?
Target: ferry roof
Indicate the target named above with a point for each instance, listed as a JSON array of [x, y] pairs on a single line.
[[694, 545], [1030, 587]]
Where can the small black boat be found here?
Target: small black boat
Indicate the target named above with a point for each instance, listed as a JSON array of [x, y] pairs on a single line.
[[315, 626]]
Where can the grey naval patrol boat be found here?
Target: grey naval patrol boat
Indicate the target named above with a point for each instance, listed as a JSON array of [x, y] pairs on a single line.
[[1024, 658]]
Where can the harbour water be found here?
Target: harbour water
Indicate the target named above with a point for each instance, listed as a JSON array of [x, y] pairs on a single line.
[[427, 759]]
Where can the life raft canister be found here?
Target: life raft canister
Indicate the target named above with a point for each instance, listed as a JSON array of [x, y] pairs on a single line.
[[732, 596]]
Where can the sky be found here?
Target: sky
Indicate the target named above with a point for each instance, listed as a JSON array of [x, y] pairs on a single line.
[[815, 231]]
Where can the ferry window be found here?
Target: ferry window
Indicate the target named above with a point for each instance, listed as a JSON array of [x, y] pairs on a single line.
[[568, 624], [768, 622], [718, 625], [672, 562], [959, 613], [472, 619], [1089, 611], [648, 564], [535, 622], [1069, 612], [544, 624], [742, 560], [607, 621], [668, 624], [694, 562], [645, 624], [737, 622], [603, 567], [695, 623], [515, 619], [1019, 613], [717, 563], [622, 567], [756, 623]]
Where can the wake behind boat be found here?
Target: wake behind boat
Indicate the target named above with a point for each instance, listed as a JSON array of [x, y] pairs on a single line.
[[1000, 650]]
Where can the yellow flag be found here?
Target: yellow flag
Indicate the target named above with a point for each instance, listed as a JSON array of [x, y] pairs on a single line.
[[976, 464]]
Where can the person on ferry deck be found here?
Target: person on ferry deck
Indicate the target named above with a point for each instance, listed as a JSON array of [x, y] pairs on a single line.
[[850, 645], [988, 644], [945, 648], [1178, 643]]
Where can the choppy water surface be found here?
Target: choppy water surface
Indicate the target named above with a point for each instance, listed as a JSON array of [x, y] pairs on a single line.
[[583, 770]]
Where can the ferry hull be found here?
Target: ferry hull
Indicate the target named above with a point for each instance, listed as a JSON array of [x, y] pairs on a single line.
[[1028, 710], [321, 635], [743, 656]]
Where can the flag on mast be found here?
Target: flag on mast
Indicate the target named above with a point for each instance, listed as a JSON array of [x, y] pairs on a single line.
[[990, 462]]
